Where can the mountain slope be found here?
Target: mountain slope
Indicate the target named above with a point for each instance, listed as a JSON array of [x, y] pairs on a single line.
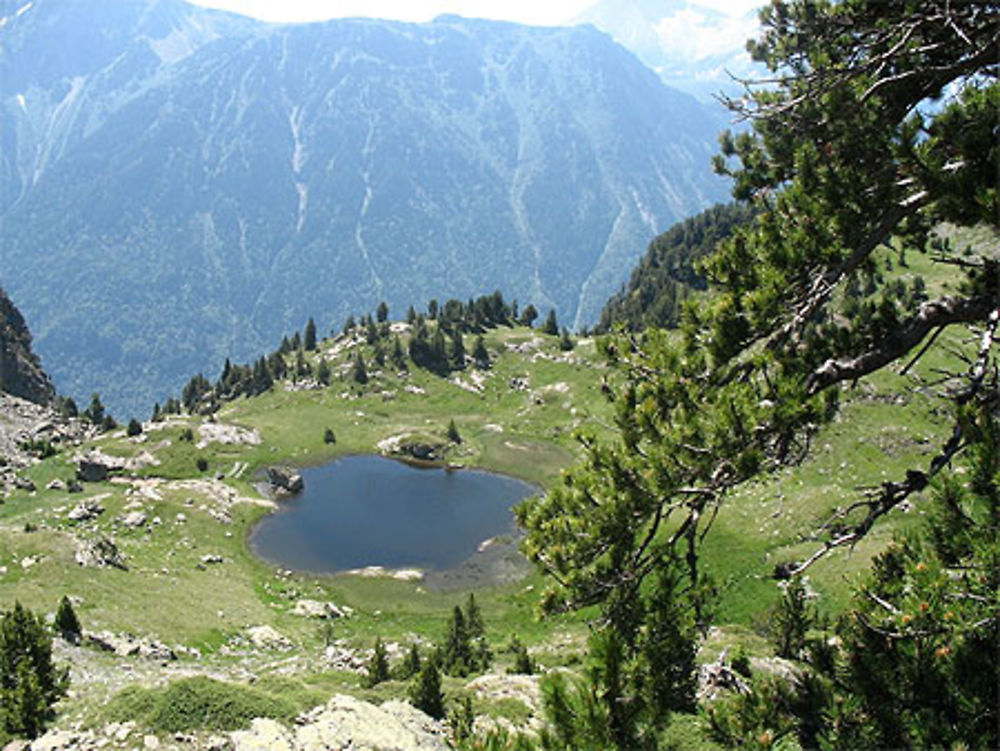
[[666, 275], [21, 371], [201, 184]]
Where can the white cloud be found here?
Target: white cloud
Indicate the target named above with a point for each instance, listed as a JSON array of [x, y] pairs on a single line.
[[694, 34]]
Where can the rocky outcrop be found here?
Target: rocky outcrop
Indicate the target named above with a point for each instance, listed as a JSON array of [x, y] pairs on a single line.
[[267, 637], [345, 722], [317, 609], [126, 645], [24, 428], [86, 510], [89, 471], [284, 480], [99, 553], [21, 371], [418, 447]]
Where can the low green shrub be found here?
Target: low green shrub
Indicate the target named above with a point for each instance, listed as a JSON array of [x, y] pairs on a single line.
[[198, 703]]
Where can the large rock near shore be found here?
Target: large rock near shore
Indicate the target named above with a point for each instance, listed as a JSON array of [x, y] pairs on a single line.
[[285, 479]]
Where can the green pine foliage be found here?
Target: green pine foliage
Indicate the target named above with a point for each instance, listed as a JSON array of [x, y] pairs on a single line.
[[30, 682], [66, 624], [378, 665], [426, 694], [791, 620], [309, 338]]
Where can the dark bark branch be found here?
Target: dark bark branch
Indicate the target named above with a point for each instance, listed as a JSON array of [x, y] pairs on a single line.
[[893, 493], [934, 314]]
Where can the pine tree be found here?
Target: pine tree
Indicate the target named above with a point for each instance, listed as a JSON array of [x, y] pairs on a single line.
[[551, 326], [842, 159], [329, 437], [457, 350], [411, 664], [457, 652], [30, 683], [94, 413], [66, 623], [565, 342], [528, 315], [398, 356], [134, 428], [480, 354], [426, 692], [359, 372], [323, 372], [309, 341], [378, 666], [452, 432], [523, 664], [474, 624], [382, 312]]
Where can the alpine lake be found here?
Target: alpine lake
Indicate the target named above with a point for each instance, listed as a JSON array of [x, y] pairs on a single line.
[[365, 511]]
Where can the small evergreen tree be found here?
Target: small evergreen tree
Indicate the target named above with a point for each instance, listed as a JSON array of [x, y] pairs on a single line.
[[359, 373], [329, 437], [30, 683], [453, 435], [551, 326], [457, 350], [523, 664], [156, 413], [134, 428], [310, 336], [480, 354], [461, 721], [457, 652], [382, 312], [94, 414], [426, 692], [323, 372], [410, 665], [66, 624], [565, 342], [474, 624], [378, 666], [528, 315], [398, 355], [67, 407], [790, 620]]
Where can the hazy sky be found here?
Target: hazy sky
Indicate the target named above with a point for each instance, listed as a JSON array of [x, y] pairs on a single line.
[[544, 12]]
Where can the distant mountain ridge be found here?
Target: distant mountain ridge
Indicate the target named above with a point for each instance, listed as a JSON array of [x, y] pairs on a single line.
[[188, 185]]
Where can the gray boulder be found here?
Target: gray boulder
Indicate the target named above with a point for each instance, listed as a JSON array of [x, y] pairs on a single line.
[[285, 479], [91, 471], [99, 553]]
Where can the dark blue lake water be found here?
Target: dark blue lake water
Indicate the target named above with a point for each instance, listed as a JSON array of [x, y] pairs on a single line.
[[371, 511]]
